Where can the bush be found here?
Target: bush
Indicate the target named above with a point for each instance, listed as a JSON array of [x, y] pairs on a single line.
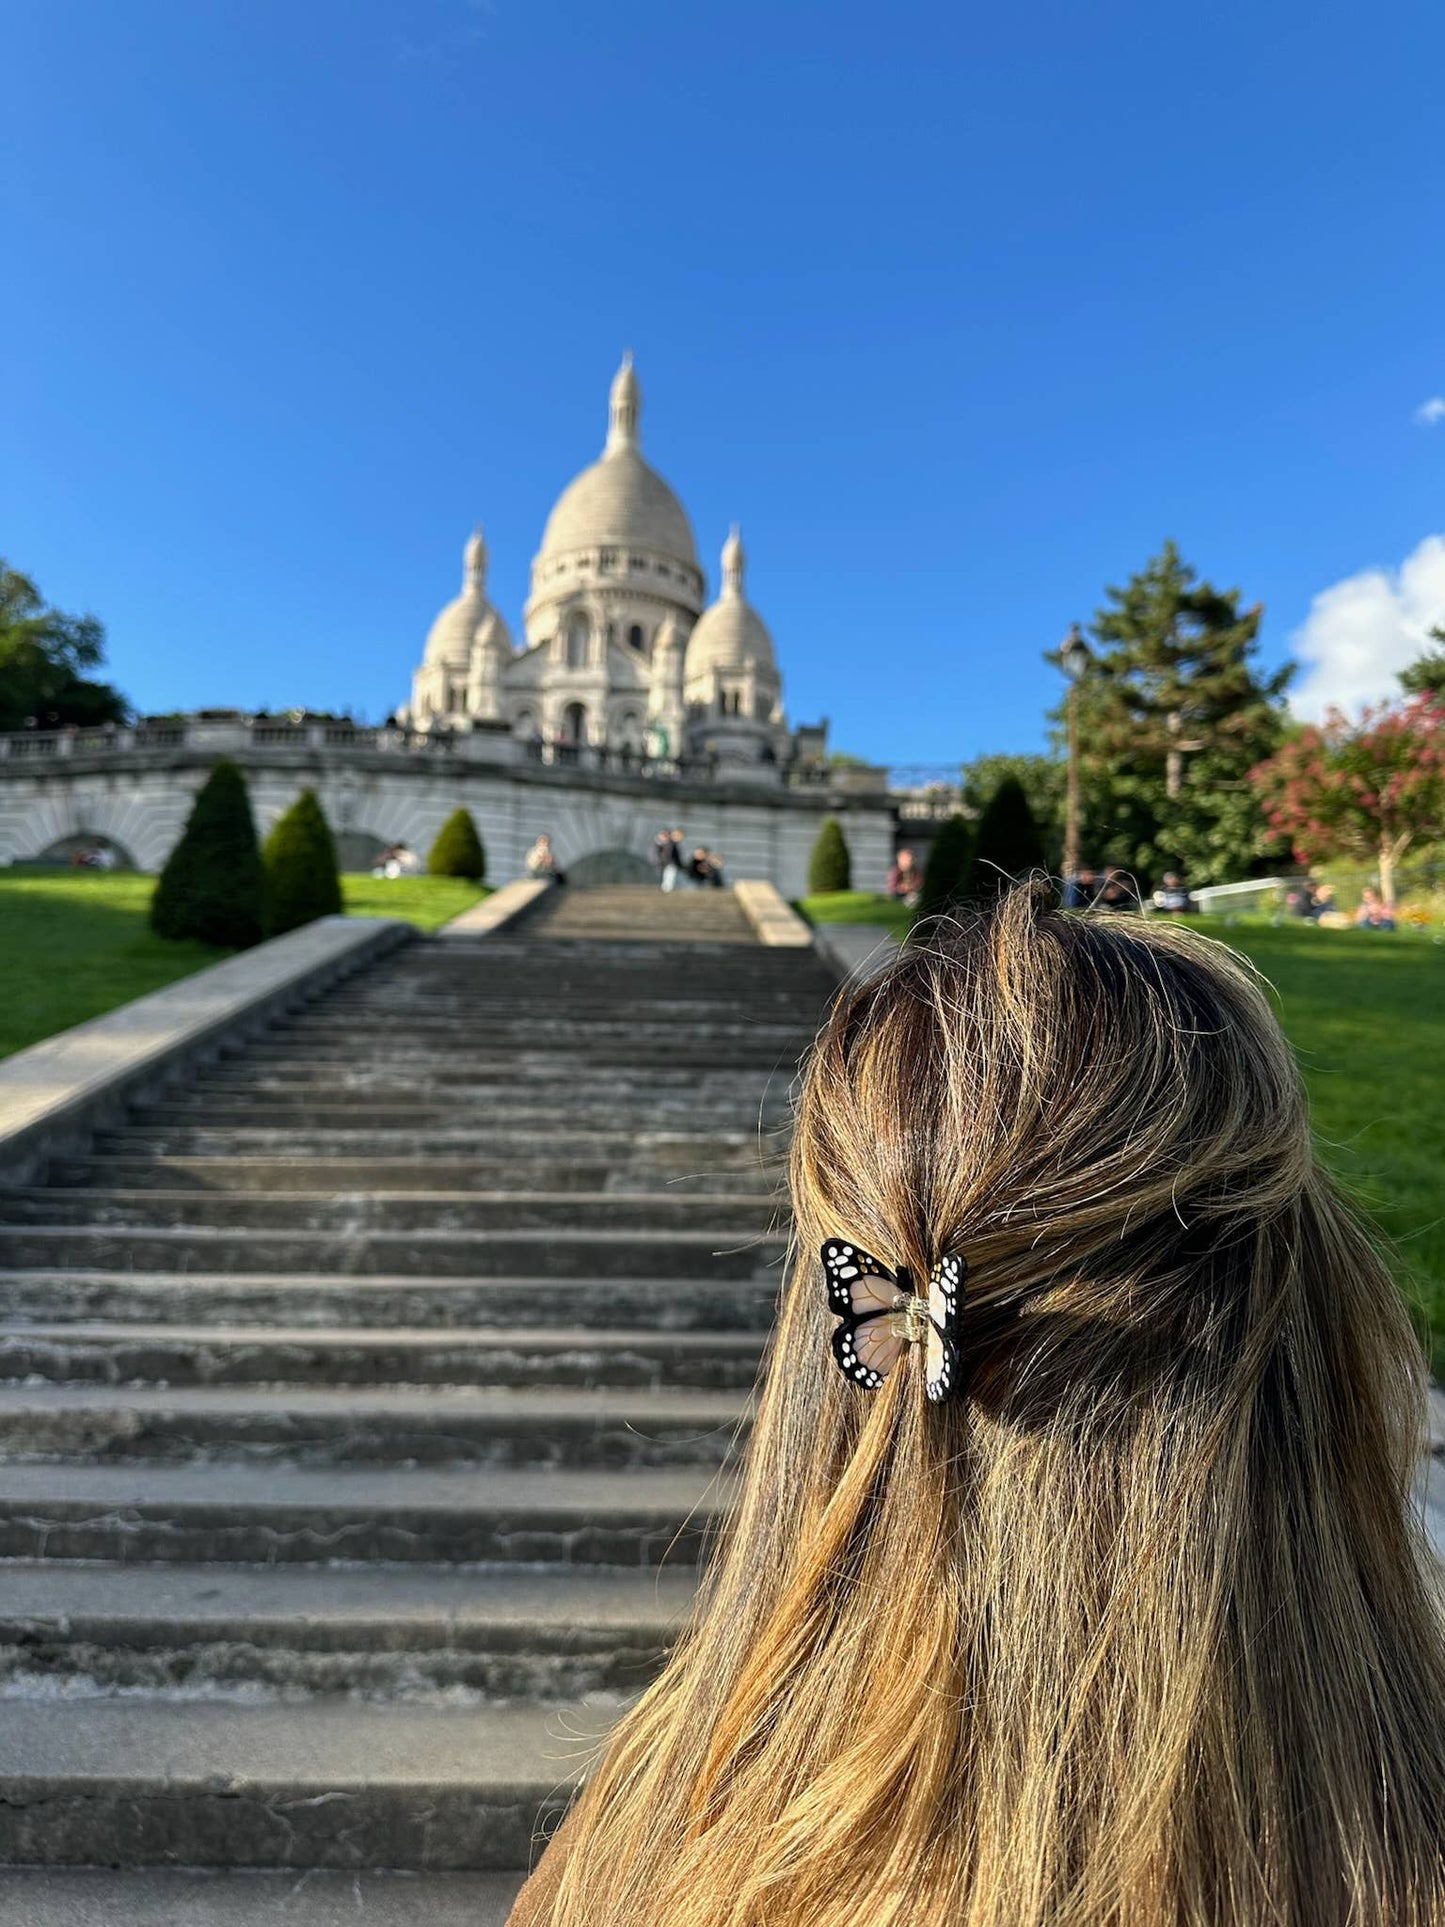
[[302, 880], [1007, 845], [945, 868], [211, 888], [830, 867], [458, 850]]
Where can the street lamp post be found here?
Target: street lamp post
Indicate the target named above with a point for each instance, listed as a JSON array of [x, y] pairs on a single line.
[[1075, 657]]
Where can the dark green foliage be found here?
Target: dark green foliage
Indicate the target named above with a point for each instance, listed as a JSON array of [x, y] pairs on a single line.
[[43, 656], [458, 850], [302, 881], [1172, 717], [1045, 784], [1425, 676], [1006, 843], [945, 870], [830, 867], [211, 886]]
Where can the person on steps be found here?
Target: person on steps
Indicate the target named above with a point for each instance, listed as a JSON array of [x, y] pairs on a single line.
[[542, 861], [1075, 1578]]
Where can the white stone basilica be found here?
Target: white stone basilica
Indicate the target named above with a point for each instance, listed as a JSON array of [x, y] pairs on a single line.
[[620, 653]]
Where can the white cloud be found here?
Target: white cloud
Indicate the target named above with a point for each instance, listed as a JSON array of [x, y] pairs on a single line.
[[1430, 413], [1361, 631]]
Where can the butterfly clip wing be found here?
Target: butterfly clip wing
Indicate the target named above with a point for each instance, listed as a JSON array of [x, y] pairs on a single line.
[[878, 1317]]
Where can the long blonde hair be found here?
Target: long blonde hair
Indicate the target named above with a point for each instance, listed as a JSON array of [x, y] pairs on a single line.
[[1141, 1632]]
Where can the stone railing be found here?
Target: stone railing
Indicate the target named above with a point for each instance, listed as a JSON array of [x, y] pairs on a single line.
[[191, 732]]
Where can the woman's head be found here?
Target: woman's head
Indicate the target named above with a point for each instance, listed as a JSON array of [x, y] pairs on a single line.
[[1138, 1631]]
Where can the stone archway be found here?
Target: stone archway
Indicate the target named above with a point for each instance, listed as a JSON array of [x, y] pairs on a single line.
[[610, 866]]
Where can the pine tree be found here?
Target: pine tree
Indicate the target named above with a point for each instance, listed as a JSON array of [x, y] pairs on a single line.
[[1006, 844], [1173, 716], [458, 850], [830, 867], [211, 887], [302, 879], [1425, 676], [945, 870]]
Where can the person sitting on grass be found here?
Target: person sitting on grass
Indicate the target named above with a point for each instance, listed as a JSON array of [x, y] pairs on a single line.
[[1374, 913], [1075, 1578], [905, 879]]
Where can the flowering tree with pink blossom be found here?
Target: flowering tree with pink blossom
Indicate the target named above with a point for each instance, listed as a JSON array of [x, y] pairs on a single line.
[[1369, 787]]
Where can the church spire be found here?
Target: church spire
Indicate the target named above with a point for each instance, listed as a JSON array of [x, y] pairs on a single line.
[[625, 407], [734, 561], [474, 563]]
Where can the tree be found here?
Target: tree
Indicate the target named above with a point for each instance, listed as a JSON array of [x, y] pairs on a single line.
[[44, 655], [1006, 844], [302, 879], [1426, 674], [1366, 789], [945, 869], [830, 867], [1044, 780], [211, 886], [1173, 716], [458, 850]]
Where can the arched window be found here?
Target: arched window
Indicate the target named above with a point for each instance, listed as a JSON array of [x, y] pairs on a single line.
[[525, 723], [579, 634], [574, 723], [634, 636]]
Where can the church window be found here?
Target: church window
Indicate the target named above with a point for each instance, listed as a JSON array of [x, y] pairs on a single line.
[[634, 635], [578, 636], [607, 559], [457, 699], [611, 634], [662, 569], [574, 723], [637, 561]]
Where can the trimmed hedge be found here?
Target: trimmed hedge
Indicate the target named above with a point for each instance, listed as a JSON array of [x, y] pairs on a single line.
[[945, 869], [1008, 845], [211, 889], [458, 850], [830, 867], [302, 878]]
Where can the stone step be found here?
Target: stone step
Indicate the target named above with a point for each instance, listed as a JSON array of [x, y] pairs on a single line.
[[295, 1171], [514, 1113], [328, 1784], [290, 1632], [386, 1302], [123, 1354], [536, 1254], [170, 1897], [680, 1150], [619, 1429], [434, 1212], [227, 1514], [456, 1063]]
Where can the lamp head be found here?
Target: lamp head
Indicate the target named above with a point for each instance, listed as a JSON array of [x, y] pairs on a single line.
[[1074, 653]]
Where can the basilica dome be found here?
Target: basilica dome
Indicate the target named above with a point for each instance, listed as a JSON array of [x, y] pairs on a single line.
[[449, 640], [620, 501], [730, 633]]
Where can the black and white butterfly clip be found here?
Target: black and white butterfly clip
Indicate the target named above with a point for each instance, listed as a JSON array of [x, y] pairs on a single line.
[[879, 1317]]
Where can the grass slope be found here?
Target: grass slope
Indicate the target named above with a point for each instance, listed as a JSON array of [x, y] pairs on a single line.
[[74, 943], [1365, 1011]]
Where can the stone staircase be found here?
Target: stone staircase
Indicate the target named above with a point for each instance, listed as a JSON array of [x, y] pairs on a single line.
[[365, 1406]]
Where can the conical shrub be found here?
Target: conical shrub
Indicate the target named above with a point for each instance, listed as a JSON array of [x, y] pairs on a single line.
[[830, 867], [211, 889], [458, 850], [1007, 846], [945, 868], [302, 879]]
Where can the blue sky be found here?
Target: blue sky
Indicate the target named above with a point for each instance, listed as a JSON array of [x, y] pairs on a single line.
[[960, 310]]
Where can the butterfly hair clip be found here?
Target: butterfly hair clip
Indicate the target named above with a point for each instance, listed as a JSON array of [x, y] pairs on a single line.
[[879, 1315]]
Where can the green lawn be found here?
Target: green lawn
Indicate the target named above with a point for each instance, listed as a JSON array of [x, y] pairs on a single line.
[[1365, 1010], [74, 943]]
